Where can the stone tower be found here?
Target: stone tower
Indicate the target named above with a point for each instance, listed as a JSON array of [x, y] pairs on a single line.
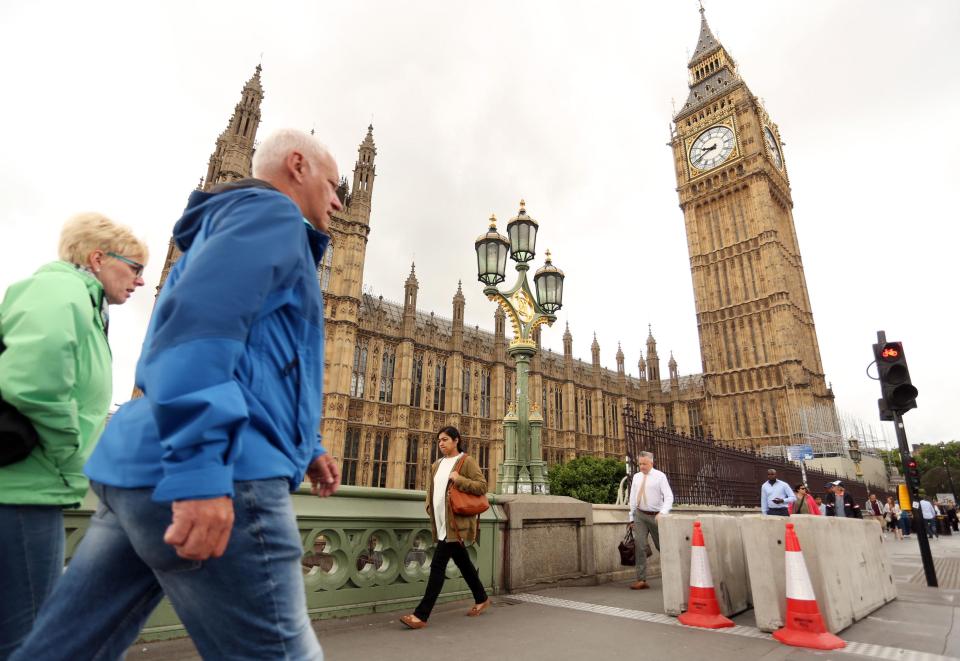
[[349, 232], [761, 361], [233, 153]]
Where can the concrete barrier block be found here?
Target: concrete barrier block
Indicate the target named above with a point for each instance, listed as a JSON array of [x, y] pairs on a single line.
[[727, 564], [763, 545], [845, 560]]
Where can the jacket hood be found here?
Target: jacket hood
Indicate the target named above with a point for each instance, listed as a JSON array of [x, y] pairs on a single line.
[[200, 203]]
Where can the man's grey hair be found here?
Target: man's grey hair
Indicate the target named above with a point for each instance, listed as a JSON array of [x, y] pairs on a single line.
[[648, 455], [272, 152]]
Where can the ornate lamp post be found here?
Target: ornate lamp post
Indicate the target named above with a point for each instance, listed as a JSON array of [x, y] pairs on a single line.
[[522, 470], [855, 456]]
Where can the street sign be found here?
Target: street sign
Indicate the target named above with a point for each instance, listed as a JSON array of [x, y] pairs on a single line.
[[799, 452], [946, 498]]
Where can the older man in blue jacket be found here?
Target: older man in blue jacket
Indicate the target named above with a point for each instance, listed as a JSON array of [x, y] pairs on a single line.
[[194, 477]]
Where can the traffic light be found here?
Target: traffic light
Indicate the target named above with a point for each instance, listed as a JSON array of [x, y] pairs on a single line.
[[912, 475], [898, 393]]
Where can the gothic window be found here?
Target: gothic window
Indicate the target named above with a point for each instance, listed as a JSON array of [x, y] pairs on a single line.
[[576, 411], [359, 370], [381, 448], [416, 380], [434, 451], [746, 418], [465, 386], [351, 456], [484, 393], [588, 412], [558, 408], [411, 465], [483, 458], [696, 425], [386, 373], [669, 414], [325, 268], [615, 418], [440, 385], [736, 419]]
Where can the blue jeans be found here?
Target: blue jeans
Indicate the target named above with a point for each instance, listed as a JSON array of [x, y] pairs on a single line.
[[31, 561], [248, 604]]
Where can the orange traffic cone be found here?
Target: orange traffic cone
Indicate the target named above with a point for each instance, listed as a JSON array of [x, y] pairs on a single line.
[[804, 627], [703, 609]]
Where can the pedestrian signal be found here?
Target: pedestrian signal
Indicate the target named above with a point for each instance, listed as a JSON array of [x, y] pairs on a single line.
[[898, 393]]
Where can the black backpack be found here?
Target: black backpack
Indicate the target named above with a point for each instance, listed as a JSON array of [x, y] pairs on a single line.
[[18, 436]]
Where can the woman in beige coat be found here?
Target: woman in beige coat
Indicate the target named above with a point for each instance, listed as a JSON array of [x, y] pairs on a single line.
[[451, 532]]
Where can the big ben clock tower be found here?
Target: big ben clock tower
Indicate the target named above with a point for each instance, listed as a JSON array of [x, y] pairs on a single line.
[[761, 360]]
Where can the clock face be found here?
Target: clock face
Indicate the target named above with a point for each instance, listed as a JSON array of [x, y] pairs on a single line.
[[773, 147], [712, 147]]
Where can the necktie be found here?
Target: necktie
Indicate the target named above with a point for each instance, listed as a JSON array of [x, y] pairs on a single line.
[[643, 491]]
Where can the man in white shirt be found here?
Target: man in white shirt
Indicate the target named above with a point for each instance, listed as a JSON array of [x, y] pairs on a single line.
[[929, 517], [650, 498]]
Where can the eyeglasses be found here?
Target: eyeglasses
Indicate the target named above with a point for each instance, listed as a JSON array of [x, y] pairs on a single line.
[[137, 266]]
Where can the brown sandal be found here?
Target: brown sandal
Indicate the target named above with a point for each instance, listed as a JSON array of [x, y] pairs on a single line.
[[413, 621], [478, 608]]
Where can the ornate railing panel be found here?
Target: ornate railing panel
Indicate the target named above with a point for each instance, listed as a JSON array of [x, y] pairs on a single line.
[[365, 550]]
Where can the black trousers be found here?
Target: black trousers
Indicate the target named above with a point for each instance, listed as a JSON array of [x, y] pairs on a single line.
[[778, 511], [441, 556]]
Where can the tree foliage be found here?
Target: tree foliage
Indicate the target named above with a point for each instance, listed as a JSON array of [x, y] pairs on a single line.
[[589, 479]]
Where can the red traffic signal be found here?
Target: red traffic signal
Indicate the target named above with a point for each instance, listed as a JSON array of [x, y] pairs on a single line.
[[898, 393], [891, 351]]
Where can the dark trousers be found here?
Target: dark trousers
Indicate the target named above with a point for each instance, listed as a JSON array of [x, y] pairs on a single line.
[[778, 511], [438, 569]]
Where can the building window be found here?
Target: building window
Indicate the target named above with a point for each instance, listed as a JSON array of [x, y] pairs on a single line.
[[325, 268], [416, 380], [440, 385], [411, 466], [615, 418], [484, 393], [359, 370], [507, 390], [434, 451], [483, 458], [558, 408], [588, 411], [386, 374], [465, 404], [381, 448], [351, 455], [668, 411]]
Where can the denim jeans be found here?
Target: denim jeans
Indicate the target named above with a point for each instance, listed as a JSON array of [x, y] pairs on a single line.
[[31, 561], [248, 604]]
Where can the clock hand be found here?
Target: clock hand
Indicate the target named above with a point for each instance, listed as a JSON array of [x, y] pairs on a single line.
[[710, 148]]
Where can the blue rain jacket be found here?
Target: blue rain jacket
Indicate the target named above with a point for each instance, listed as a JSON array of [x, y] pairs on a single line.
[[232, 363]]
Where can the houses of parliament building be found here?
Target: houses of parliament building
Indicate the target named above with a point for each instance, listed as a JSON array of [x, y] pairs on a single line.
[[395, 374]]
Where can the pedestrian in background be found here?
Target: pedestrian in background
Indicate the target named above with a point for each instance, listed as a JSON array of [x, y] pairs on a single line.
[[820, 506], [842, 504], [194, 478], [56, 386], [891, 512], [650, 499], [929, 514], [451, 531], [873, 509], [804, 503], [775, 495]]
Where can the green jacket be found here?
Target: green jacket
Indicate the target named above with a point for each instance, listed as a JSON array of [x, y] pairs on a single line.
[[56, 371]]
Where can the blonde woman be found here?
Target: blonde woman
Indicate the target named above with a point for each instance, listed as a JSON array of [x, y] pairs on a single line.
[[891, 512], [55, 387]]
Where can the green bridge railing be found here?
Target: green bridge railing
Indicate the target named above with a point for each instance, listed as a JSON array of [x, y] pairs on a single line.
[[365, 550]]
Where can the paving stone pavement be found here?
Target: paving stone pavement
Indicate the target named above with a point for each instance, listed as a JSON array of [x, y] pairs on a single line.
[[608, 620]]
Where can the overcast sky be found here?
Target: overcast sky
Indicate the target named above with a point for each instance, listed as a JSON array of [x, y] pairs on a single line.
[[116, 107]]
